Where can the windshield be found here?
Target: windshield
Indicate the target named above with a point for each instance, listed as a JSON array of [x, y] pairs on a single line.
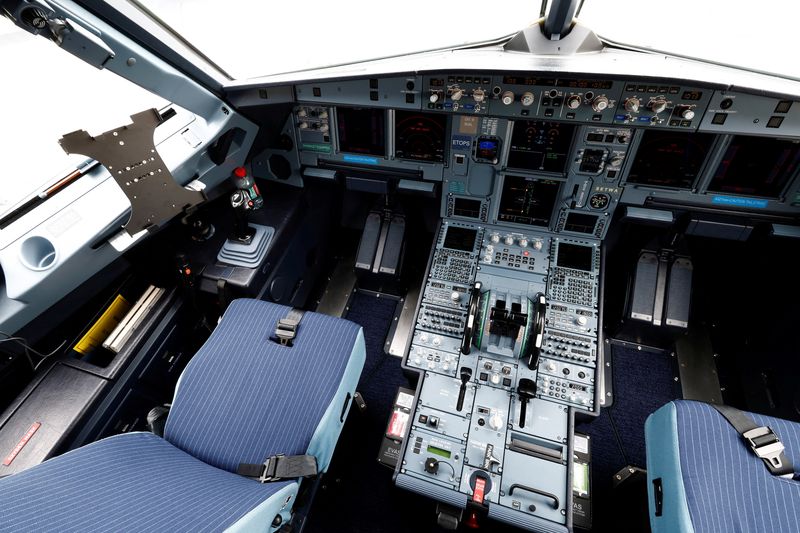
[[249, 39], [46, 93], [758, 36]]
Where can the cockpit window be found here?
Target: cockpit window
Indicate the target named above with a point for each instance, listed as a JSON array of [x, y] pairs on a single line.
[[47, 93], [760, 36], [255, 38]]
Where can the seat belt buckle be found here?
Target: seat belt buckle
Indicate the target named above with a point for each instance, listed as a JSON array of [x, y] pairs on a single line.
[[766, 445], [270, 468], [286, 331]]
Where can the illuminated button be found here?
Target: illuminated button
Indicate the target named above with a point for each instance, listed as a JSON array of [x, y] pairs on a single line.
[[495, 379]]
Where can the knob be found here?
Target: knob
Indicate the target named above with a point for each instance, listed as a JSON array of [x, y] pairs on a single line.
[[632, 105], [418, 359], [431, 465], [537, 245], [600, 103], [615, 161], [323, 114], [495, 379], [434, 98], [623, 137], [446, 367], [551, 366], [507, 98], [302, 113], [686, 112], [526, 100], [581, 320], [658, 105], [437, 341], [495, 238], [495, 422], [487, 365], [323, 128], [479, 95], [456, 94], [431, 365], [303, 125], [574, 101], [509, 240], [423, 337], [523, 242], [455, 296]]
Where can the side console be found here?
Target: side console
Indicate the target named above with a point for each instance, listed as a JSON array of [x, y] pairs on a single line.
[[506, 345]]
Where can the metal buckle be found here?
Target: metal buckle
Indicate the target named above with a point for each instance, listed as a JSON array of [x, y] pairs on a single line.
[[270, 467], [286, 330], [766, 445]]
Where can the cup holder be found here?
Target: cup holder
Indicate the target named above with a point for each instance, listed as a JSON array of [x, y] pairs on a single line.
[[37, 253]]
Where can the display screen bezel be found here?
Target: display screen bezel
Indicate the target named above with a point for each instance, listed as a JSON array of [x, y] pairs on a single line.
[[349, 149], [501, 188], [510, 151], [677, 184]]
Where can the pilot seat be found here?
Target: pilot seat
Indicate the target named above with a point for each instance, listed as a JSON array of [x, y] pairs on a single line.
[[258, 409], [706, 476]]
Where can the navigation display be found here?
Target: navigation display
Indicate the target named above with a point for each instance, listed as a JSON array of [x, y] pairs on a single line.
[[460, 238], [540, 146], [756, 166], [670, 159], [361, 130], [420, 136], [527, 201]]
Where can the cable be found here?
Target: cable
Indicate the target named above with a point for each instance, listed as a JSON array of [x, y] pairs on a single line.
[[28, 349]]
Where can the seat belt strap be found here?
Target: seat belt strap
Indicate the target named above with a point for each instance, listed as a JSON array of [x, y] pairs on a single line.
[[761, 440], [280, 467], [286, 328]]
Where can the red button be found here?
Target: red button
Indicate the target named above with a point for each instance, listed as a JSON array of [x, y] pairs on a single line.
[[480, 489]]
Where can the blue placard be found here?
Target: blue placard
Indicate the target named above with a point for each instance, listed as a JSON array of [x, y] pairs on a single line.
[[363, 159], [738, 201], [461, 142]]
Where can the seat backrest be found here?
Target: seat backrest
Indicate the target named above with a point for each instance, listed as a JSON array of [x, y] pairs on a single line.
[[243, 397]]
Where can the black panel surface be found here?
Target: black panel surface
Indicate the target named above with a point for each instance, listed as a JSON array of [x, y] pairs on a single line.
[[670, 159]]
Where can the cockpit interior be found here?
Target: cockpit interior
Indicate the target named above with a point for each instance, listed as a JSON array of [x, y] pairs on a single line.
[[539, 283]]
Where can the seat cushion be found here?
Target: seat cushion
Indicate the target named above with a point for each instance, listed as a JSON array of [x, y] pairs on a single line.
[[135, 482], [712, 482], [243, 397]]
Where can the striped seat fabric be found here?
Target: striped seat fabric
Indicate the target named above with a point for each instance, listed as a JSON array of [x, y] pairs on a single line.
[[711, 481], [241, 399]]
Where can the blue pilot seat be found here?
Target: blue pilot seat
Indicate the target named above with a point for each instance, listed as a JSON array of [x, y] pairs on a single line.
[[242, 399], [704, 477]]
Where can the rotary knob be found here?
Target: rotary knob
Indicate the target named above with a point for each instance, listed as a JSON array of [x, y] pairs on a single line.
[[632, 105], [303, 125], [658, 105], [479, 95], [423, 337], [323, 114], [537, 245], [574, 101], [581, 320], [523, 243], [527, 99], [455, 296], [323, 128], [301, 113], [600, 103], [509, 240], [437, 341], [507, 98], [495, 422], [551, 366], [685, 112], [615, 161], [495, 238], [434, 98], [456, 94]]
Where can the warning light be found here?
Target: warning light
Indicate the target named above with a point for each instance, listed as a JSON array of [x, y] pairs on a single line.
[[240, 172], [526, 253], [188, 271]]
